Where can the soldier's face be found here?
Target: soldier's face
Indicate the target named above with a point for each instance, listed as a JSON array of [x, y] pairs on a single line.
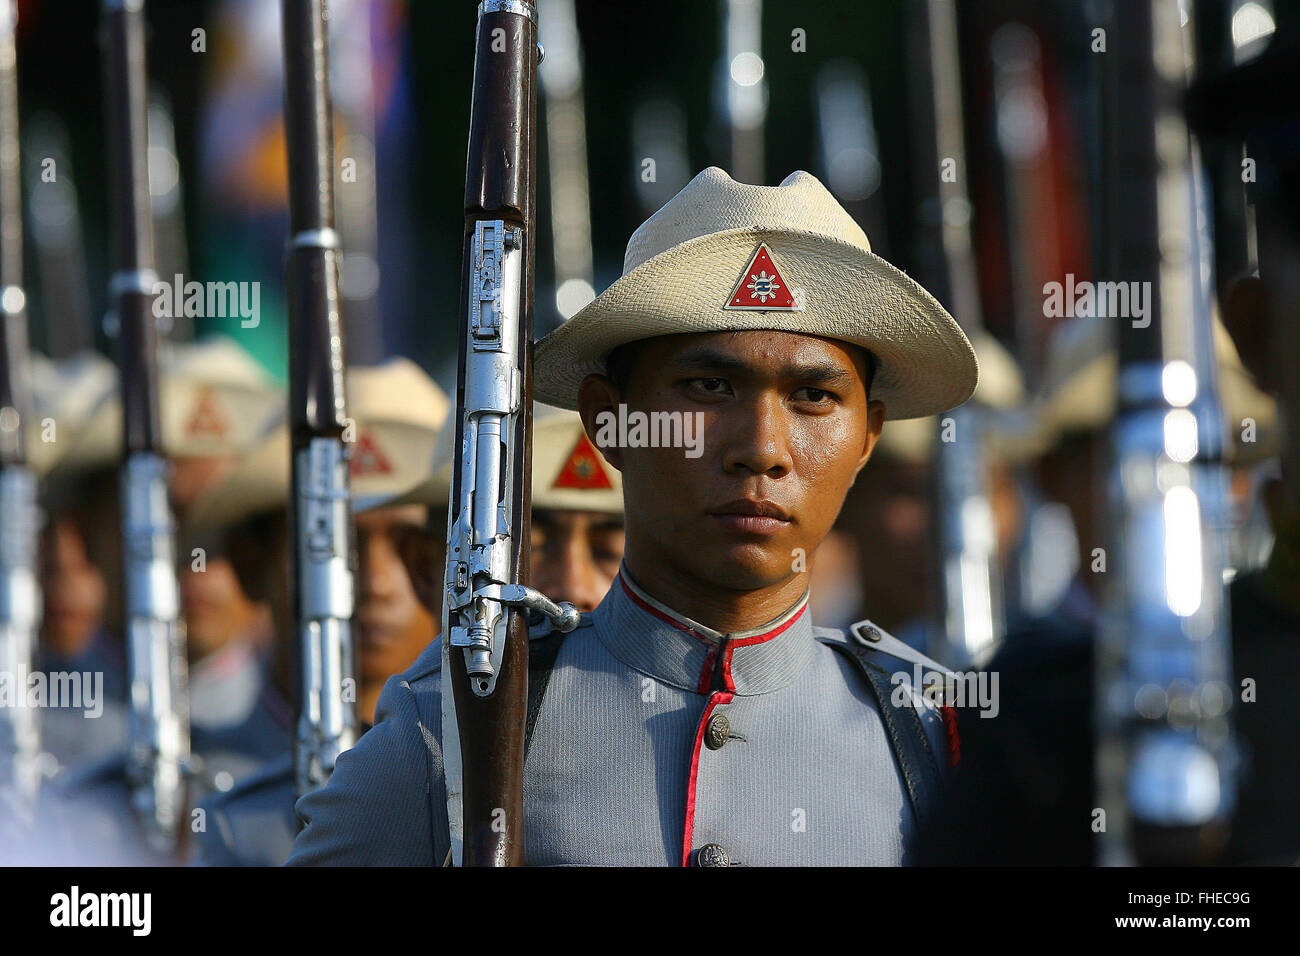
[[216, 609], [393, 627], [575, 554], [785, 427], [191, 476], [74, 588]]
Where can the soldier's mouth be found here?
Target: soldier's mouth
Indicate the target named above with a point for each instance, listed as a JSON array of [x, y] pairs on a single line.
[[371, 635], [751, 516]]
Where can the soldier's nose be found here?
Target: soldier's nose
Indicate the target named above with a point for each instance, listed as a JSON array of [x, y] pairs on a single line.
[[757, 440], [571, 575]]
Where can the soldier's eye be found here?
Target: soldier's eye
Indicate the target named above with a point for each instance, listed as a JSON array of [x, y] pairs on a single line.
[[816, 396], [716, 386]]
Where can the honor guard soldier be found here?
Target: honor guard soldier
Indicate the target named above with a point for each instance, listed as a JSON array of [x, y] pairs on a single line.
[[1002, 809], [397, 412], [78, 555], [215, 401], [759, 317], [576, 496]]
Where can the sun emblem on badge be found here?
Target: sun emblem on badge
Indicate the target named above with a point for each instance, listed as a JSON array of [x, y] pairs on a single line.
[[763, 286]]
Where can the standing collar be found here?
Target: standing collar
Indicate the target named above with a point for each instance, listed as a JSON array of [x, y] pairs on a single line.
[[651, 637]]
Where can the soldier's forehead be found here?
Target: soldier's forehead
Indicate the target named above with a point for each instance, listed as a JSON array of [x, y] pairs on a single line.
[[561, 515], [394, 514], [692, 346]]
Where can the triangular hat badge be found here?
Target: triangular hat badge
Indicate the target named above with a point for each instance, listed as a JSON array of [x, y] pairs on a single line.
[[762, 288], [367, 459], [582, 469], [206, 418]]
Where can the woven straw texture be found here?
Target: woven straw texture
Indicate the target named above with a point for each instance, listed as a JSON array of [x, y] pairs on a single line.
[[683, 262]]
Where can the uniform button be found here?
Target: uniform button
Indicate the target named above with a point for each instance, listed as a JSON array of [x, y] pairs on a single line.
[[717, 732], [712, 855]]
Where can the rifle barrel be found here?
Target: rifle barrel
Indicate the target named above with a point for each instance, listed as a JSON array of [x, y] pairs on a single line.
[[321, 517], [20, 605], [1165, 755], [158, 763]]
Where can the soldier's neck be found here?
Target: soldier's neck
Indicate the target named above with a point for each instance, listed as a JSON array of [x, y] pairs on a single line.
[[368, 700], [726, 610]]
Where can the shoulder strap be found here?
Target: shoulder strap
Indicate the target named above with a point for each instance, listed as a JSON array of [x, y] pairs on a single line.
[[921, 770], [542, 652]]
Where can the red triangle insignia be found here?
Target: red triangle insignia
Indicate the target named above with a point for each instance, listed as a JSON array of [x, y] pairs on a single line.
[[583, 469], [367, 459], [761, 287], [206, 418]]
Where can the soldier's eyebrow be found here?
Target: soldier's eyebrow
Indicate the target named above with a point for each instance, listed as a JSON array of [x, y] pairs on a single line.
[[818, 374]]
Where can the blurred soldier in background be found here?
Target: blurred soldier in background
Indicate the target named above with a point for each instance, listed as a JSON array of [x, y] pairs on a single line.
[[1254, 105], [215, 403], [1024, 791], [577, 512], [79, 558], [398, 412], [1073, 416], [886, 533]]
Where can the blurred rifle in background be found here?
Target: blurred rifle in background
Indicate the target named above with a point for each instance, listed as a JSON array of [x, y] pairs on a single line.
[[970, 582], [1166, 762], [20, 600], [320, 524], [159, 758]]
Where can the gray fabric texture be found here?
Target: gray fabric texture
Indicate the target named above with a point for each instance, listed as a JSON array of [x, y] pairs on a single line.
[[807, 776]]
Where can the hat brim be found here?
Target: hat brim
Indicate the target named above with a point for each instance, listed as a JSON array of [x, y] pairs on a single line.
[[925, 363]]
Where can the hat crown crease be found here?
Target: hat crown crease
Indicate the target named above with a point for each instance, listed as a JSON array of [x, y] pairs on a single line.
[[713, 202]]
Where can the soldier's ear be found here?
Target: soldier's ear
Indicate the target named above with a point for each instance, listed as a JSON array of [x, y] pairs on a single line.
[[598, 400], [875, 425]]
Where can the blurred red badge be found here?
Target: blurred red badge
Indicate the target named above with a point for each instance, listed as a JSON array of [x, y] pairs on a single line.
[[206, 418], [583, 469], [762, 287], [367, 459]]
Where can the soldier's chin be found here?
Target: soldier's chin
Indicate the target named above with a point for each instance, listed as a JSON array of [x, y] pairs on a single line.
[[748, 567]]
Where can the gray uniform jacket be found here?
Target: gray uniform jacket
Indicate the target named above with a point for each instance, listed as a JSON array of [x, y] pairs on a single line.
[[656, 738]]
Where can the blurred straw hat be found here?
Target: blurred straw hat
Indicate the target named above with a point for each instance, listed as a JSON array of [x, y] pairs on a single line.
[[1001, 389], [1079, 389], [65, 393], [397, 410], [569, 472], [214, 400]]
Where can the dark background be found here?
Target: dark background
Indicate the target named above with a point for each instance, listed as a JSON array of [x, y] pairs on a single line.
[[671, 48]]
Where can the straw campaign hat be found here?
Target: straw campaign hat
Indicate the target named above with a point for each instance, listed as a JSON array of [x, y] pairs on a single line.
[[397, 410], [569, 472], [723, 256], [214, 398]]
